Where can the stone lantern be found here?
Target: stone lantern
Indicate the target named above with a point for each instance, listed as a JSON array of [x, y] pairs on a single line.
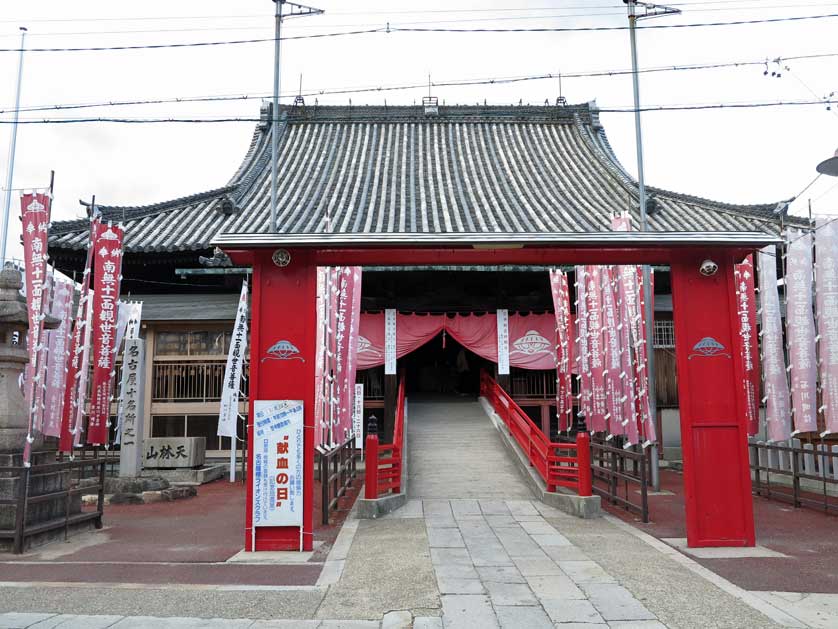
[[14, 322]]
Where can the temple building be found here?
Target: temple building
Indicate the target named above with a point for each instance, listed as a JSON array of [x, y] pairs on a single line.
[[415, 172]]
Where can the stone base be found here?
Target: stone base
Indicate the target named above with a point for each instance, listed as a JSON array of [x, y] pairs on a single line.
[[146, 497], [372, 509], [197, 476], [127, 485], [563, 499]]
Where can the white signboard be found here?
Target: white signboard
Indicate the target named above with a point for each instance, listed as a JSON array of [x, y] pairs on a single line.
[[358, 416], [278, 463], [503, 342], [390, 341]]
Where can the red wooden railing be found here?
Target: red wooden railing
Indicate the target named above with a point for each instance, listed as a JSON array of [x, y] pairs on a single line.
[[559, 464], [384, 461]]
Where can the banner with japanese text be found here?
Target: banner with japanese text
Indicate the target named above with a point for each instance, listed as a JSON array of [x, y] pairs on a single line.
[[107, 268], [583, 360], [614, 375], [38, 371], [800, 330], [561, 307], [73, 392], [228, 415], [58, 350], [35, 217], [826, 300], [595, 421], [775, 383], [278, 463], [743, 275]]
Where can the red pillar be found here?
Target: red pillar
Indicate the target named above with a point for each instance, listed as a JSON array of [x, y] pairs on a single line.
[[283, 309], [717, 481]]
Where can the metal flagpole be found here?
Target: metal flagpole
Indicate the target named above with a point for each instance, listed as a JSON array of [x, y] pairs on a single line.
[[296, 10], [651, 10], [12, 146]]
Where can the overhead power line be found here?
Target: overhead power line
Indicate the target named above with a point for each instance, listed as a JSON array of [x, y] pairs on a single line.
[[409, 86], [620, 110], [398, 29]]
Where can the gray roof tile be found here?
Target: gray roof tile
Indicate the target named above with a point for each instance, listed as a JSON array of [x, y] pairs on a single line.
[[392, 169]]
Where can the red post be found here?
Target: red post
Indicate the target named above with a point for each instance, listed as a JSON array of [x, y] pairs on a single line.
[[583, 456], [714, 427], [371, 484]]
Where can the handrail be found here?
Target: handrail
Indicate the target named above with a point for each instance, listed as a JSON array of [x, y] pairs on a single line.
[[559, 464], [383, 472]]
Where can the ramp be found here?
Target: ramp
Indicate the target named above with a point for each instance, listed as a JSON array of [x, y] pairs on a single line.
[[456, 452]]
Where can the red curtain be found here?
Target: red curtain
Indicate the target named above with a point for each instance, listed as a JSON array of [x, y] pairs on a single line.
[[532, 338]]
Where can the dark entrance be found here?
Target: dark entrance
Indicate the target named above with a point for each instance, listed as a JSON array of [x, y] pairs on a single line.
[[442, 366]]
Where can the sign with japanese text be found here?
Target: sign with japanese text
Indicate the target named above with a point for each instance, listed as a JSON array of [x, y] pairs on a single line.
[[826, 299], [390, 341], [743, 275], [35, 216], [800, 330], [776, 386], [503, 341], [107, 268], [561, 307], [132, 410], [278, 463], [228, 415], [73, 392]]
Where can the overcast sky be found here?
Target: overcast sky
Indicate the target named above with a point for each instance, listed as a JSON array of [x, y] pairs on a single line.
[[734, 155]]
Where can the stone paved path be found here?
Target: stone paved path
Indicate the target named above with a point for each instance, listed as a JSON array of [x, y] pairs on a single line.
[[498, 562]]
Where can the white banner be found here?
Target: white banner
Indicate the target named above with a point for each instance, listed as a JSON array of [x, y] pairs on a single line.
[[278, 463], [229, 412], [775, 384], [78, 425], [826, 298], [358, 416], [503, 342], [800, 330], [390, 341]]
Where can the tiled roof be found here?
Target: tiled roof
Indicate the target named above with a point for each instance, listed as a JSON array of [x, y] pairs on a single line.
[[394, 169]]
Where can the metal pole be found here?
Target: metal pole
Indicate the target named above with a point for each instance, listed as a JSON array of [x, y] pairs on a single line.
[[12, 146], [275, 111], [644, 226]]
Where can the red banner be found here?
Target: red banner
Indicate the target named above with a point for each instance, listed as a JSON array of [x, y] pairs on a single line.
[[583, 355], [35, 216], [72, 393], [748, 348], [614, 375], [596, 421], [107, 266], [564, 343]]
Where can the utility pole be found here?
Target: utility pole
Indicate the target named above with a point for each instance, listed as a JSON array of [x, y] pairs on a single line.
[[650, 11], [12, 146], [295, 10]]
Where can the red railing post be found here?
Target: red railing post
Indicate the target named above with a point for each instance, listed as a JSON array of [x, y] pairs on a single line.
[[583, 456], [371, 486]]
